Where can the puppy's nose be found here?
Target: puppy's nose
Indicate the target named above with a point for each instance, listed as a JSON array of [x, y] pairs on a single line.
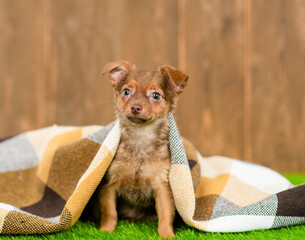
[[136, 108]]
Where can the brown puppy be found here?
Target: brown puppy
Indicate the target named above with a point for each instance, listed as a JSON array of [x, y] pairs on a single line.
[[138, 174]]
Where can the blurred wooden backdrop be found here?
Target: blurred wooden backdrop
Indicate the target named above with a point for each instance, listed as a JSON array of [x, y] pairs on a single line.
[[245, 59]]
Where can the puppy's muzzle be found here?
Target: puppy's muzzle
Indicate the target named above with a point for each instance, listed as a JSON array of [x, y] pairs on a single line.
[[136, 109]]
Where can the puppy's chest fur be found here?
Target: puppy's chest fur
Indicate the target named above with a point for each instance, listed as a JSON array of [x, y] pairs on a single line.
[[141, 163]]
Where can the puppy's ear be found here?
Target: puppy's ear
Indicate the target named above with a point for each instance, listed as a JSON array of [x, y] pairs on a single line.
[[176, 79], [118, 71]]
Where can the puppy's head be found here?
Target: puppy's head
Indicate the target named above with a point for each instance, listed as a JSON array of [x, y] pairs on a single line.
[[143, 96]]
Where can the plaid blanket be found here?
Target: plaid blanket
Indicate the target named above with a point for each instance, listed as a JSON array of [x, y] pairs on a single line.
[[47, 176]]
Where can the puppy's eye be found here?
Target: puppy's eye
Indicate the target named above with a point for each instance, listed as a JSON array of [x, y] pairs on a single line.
[[126, 92], [156, 96]]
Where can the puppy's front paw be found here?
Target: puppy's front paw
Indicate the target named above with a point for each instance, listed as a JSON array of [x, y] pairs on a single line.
[[166, 232], [107, 226]]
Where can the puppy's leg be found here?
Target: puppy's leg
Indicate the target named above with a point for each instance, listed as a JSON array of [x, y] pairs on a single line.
[[107, 201], [165, 207]]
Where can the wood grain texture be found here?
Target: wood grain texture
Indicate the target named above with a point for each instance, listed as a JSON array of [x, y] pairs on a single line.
[[210, 110], [278, 103], [88, 34], [22, 79], [81, 43], [245, 58], [148, 33], [247, 80]]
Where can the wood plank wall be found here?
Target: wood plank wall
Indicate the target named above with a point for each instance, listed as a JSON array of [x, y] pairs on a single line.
[[245, 59]]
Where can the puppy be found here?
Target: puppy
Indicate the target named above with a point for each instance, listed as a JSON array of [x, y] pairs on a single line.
[[137, 178]]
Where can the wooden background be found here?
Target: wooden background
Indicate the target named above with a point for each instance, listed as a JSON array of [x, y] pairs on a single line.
[[245, 59]]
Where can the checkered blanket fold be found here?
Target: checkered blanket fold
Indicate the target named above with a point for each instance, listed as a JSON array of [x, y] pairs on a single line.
[[47, 176]]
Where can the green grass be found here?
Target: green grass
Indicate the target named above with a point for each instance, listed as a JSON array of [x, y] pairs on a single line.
[[148, 229]]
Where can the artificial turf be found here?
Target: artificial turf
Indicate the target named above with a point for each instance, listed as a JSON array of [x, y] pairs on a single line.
[[148, 229]]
